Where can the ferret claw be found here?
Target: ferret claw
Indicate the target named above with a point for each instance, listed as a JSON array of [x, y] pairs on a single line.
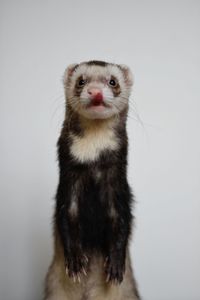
[[86, 258], [105, 262], [84, 272], [108, 278], [78, 277], [76, 267], [74, 278]]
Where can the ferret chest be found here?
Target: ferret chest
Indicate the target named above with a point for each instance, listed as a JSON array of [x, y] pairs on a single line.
[[88, 147], [93, 196]]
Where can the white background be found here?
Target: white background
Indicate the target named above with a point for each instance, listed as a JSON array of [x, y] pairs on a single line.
[[160, 41]]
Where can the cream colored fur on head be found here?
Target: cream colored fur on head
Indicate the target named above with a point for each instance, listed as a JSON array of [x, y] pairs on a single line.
[[99, 77], [99, 127]]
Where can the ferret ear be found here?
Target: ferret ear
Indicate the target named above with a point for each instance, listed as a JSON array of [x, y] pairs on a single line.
[[128, 75], [69, 71]]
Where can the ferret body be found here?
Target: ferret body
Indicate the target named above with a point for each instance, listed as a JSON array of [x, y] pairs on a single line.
[[93, 217]]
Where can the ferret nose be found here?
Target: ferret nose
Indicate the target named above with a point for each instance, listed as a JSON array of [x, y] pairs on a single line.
[[95, 94]]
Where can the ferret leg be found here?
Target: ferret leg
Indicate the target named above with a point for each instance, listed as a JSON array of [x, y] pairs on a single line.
[[115, 261], [75, 259], [118, 237], [68, 229]]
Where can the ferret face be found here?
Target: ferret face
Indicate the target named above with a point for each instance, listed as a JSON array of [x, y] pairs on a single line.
[[97, 90]]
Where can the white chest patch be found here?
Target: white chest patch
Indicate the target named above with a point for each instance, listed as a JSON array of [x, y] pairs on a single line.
[[89, 147]]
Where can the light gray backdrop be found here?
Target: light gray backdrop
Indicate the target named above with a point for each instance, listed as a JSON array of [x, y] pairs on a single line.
[[160, 41]]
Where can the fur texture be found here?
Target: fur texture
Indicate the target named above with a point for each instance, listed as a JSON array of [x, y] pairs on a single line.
[[93, 202]]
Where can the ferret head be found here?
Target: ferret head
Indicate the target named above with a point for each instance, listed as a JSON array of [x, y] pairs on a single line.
[[96, 89]]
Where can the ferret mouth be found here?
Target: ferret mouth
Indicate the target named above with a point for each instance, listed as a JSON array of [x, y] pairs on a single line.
[[101, 110], [98, 105]]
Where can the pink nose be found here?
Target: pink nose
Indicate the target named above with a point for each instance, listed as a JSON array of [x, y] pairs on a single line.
[[95, 94]]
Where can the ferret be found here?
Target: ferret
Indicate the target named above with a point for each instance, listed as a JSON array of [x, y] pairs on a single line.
[[93, 219]]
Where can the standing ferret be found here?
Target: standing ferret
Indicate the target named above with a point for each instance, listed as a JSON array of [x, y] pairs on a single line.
[[93, 218]]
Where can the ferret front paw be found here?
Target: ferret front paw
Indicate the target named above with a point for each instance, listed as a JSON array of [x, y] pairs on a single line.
[[76, 265], [114, 269]]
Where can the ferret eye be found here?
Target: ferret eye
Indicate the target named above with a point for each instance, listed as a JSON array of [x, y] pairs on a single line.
[[81, 82], [112, 82]]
